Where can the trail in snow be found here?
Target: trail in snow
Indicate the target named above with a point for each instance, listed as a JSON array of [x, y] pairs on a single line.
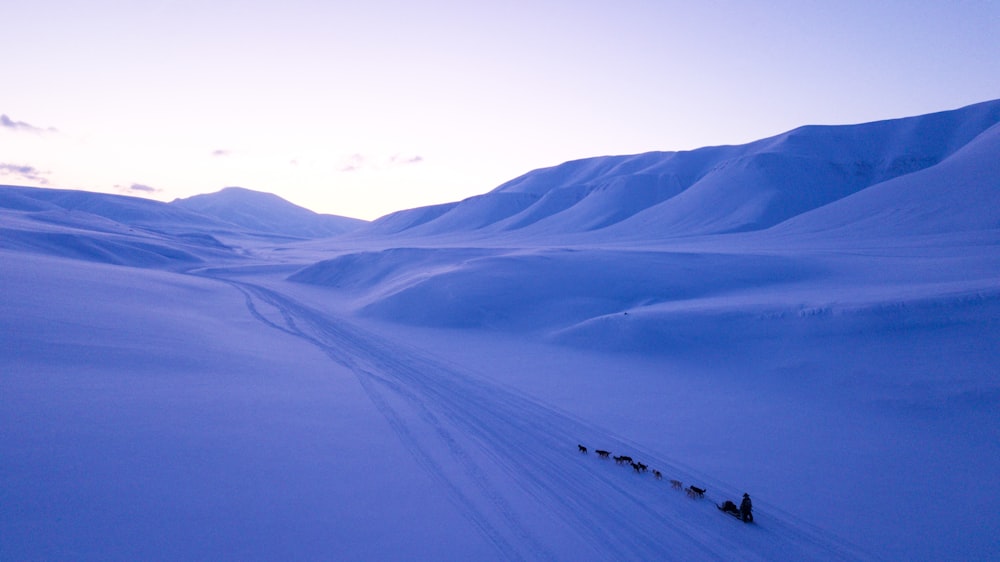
[[509, 463]]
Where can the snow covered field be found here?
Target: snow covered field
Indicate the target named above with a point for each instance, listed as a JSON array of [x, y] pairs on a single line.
[[811, 318]]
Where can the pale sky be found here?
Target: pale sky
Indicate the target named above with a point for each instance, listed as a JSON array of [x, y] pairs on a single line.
[[364, 108]]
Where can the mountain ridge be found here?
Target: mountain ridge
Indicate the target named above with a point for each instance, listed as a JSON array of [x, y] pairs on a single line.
[[710, 190], [265, 212], [126, 230]]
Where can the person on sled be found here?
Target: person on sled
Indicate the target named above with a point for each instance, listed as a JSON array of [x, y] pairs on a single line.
[[746, 509]]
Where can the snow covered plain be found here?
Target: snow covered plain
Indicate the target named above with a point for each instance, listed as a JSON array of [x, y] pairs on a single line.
[[811, 318]]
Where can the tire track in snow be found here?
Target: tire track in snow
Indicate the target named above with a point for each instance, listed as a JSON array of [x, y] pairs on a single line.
[[427, 462], [528, 442], [395, 421], [566, 484], [478, 414]]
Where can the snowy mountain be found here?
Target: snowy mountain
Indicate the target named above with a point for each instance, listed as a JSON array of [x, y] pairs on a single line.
[[140, 232], [264, 212], [959, 194], [710, 190], [809, 318], [872, 184], [106, 228]]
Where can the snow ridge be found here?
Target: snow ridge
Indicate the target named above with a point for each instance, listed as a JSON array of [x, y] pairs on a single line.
[[709, 190]]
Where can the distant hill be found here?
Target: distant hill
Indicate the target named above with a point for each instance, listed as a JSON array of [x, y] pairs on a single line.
[[134, 211], [265, 212], [230, 210], [712, 190], [141, 232]]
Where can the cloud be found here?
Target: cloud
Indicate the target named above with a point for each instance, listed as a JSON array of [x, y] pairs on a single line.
[[29, 173], [357, 162], [353, 163], [400, 160], [142, 188], [8, 123], [135, 188], [221, 152]]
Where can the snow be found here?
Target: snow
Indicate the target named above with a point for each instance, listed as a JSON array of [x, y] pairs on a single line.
[[264, 212], [810, 318], [706, 191]]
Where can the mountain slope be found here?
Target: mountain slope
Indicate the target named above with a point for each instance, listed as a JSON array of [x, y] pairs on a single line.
[[141, 232], [707, 191], [266, 213], [960, 194], [107, 228], [132, 211]]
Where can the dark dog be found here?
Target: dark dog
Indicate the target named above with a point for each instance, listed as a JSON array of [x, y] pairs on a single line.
[[642, 467], [657, 474], [676, 484], [635, 467], [581, 448], [602, 453], [625, 459], [695, 492]]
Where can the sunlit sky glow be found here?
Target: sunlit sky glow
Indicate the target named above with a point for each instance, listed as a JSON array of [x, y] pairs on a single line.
[[364, 108]]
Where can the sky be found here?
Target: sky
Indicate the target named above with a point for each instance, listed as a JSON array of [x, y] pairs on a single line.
[[365, 108]]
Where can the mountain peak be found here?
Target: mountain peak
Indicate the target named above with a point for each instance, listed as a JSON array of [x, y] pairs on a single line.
[[266, 212]]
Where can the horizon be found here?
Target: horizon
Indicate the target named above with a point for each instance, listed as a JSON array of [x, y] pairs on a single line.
[[364, 111], [138, 194]]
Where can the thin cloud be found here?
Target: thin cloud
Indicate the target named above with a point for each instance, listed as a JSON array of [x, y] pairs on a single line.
[[135, 188], [357, 162], [29, 173], [221, 152], [402, 160], [8, 123], [353, 163]]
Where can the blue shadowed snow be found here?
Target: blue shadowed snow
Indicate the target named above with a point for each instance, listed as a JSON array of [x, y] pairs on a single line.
[[810, 318]]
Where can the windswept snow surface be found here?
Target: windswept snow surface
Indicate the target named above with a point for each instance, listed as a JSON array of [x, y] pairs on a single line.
[[176, 385]]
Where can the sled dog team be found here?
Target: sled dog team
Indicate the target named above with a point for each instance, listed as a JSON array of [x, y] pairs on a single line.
[[743, 512]]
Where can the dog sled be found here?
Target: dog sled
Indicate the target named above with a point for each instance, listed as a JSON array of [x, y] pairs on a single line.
[[730, 508]]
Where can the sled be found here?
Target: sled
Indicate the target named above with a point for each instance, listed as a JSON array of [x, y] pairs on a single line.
[[735, 514]]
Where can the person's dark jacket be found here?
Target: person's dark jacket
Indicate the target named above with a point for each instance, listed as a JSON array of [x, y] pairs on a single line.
[[746, 508]]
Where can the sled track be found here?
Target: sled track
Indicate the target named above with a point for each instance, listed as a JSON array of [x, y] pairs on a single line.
[[507, 447]]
